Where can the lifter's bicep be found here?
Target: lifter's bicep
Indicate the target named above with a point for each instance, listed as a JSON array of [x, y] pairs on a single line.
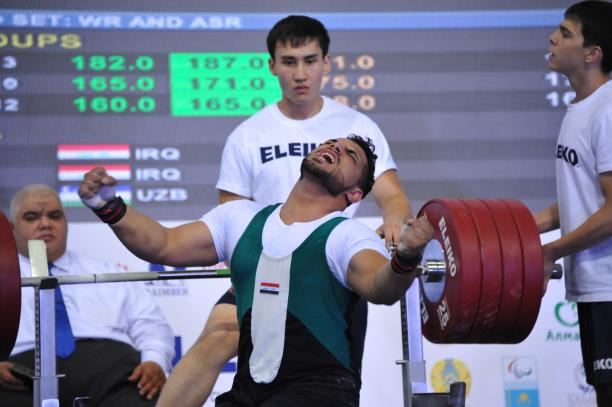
[[191, 244]]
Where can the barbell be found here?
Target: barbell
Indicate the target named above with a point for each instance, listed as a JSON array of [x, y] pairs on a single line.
[[482, 278]]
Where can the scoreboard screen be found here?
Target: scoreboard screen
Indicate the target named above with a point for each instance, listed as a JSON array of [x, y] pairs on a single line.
[[152, 89]]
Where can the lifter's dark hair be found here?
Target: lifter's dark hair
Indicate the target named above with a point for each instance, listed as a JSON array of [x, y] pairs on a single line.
[[297, 31], [367, 177], [596, 19]]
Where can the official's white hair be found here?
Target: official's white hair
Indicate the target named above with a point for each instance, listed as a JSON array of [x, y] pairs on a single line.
[[32, 189]]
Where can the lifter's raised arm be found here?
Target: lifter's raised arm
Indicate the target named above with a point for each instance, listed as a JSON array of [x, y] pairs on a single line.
[[190, 244]]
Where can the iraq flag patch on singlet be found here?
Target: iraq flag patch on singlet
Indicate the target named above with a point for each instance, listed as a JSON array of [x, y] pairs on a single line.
[[269, 288]]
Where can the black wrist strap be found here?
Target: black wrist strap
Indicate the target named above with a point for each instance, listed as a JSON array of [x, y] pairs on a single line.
[[113, 211], [401, 265]]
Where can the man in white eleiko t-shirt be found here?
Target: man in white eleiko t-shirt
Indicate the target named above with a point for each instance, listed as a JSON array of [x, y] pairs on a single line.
[[268, 148], [581, 49]]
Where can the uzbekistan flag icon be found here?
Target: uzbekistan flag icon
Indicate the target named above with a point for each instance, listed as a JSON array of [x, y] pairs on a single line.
[[269, 288]]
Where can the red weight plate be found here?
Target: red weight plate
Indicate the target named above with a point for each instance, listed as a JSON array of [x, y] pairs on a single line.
[[491, 260], [512, 276], [10, 289], [533, 269], [449, 317]]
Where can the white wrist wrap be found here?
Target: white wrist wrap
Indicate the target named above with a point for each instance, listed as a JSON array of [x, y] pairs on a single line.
[[105, 194]]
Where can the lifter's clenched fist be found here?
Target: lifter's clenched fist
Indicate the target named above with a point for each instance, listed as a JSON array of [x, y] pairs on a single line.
[[97, 191], [97, 188], [415, 234]]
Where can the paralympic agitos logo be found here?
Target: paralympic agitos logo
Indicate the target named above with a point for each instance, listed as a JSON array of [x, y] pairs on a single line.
[[520, 368]]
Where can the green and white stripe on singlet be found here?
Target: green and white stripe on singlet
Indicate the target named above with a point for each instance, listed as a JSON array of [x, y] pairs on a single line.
[[315, 297]]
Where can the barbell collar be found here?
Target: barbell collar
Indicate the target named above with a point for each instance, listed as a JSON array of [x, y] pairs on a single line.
[[557, 272], [432, 270]]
